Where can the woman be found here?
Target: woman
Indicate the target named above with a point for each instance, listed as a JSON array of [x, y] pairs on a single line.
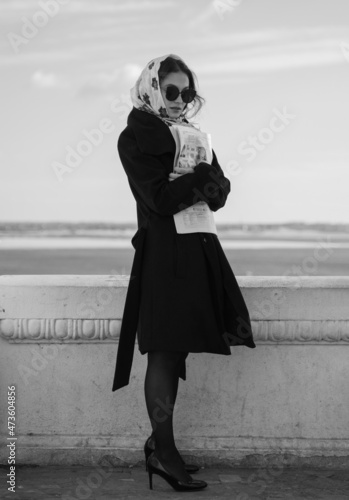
[[182, 296]]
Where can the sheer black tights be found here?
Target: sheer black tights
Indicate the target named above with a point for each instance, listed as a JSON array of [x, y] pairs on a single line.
[[160, 387]]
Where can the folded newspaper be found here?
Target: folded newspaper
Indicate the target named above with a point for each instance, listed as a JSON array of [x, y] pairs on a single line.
[[193, 147]]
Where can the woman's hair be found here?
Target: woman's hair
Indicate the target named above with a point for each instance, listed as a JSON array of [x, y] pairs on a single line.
[[172, 65]]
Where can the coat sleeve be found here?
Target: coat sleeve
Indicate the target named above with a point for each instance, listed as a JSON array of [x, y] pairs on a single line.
[[219, 190], [148, 177]]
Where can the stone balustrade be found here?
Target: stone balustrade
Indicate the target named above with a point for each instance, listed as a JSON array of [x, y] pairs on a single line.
[[285, 402]]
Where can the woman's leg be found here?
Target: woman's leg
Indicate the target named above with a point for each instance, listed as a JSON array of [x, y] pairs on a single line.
[[161, 386], [183, 357]]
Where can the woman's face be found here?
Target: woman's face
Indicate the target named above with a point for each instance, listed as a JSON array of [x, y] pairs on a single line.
[[181, 81]]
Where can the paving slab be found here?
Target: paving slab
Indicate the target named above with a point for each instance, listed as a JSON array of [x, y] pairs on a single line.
[[108, 483]]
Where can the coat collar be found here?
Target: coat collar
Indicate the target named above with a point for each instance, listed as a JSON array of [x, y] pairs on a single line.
[[153, 136]]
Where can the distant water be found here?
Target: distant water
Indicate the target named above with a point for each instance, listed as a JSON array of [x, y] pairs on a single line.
[[108, 235], [44, 242], [259, 250]]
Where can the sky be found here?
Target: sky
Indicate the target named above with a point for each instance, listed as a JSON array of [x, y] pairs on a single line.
[[274, 74]]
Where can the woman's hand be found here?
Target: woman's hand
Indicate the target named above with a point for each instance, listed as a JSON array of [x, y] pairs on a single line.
[[173, 176], [178, 171]]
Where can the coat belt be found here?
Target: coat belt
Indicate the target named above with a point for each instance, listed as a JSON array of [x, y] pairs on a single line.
[[130, 318]]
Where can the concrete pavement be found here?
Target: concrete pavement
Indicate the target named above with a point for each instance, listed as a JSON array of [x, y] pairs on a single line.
[[95, 483]]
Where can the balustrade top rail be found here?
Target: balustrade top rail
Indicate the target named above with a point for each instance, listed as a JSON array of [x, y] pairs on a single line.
[[89, 308]]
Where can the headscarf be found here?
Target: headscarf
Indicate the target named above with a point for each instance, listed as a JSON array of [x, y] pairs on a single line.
[[146, 94]]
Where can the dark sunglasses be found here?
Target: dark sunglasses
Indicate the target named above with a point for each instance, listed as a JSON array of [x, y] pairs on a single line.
[[172, 92]]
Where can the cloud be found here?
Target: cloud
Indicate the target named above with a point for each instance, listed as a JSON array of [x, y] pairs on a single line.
[[132, 71], [102, 82], [201, 19], [80, 7], [274, 50], [44, 80], [263, 39], [38, 57], [270, 62]]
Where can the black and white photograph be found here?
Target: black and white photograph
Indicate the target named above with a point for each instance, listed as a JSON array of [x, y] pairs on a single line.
[[174, 249]]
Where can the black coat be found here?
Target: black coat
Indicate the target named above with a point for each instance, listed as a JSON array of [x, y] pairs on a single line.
[[182, 293]]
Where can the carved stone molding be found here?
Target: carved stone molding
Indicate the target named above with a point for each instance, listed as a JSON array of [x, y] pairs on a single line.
[[302, 332], [45, 330], [60, 330]]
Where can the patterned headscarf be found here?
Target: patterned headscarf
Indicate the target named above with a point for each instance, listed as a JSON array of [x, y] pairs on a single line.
[[146, 93]]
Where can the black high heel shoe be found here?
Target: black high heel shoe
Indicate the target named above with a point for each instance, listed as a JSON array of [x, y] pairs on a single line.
[[154, 467], [149, 447]]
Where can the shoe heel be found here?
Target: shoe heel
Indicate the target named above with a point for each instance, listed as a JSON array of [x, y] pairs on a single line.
[[150, 474], [147, 453], [171, 480]]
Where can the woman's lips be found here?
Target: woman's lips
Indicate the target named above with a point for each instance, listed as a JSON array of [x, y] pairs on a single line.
[[177, 109]]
